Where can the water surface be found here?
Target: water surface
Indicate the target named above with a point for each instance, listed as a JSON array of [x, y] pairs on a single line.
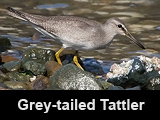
[[142, 18]]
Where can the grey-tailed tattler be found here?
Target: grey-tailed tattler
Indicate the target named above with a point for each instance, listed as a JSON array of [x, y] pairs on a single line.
[[76, 32]]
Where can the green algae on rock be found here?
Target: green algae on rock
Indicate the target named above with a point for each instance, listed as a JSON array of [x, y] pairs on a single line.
[[70, 77]]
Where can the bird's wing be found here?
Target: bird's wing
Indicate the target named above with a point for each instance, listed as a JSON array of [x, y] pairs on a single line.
[[61, 27], [70, 27]]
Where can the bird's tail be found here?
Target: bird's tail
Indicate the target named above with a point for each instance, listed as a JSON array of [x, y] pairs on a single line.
[[35, 20], [16, 14]]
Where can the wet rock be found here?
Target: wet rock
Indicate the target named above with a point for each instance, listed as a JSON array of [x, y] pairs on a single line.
[[34, 67], [1, 60], [34, 60], [70, 77], [51, 67], [40, 83], [105, 85], [36, 36], [4, 87], [121, 88], [4, 44], [4, 41], [134, 88], [7, 59], [38, 55], [154, 83], [3, 77], [137, 71], [93, 66], [16, 76], [115, 88], [12, 66], [16, 85], [156, 62]]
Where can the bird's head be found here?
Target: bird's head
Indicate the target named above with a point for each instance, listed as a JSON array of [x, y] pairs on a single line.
[[118, 27]]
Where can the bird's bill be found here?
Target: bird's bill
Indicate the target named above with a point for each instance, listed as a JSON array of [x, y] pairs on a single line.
[[134, 40]]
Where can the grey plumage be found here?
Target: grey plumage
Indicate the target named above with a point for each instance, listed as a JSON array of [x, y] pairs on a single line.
[[76, 32]]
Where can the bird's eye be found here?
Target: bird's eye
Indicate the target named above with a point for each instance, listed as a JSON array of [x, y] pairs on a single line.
[[119, 25]]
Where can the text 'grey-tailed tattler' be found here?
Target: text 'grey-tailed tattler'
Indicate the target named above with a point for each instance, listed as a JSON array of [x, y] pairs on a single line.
[[76, 32]]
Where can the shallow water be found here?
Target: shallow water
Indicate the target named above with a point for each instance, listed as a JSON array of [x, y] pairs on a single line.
[[142, 18]]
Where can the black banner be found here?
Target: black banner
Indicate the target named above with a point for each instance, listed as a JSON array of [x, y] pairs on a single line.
[[48, 102]]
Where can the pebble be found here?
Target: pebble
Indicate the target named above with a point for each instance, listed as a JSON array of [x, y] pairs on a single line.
[[40, 83], [154, 83], [93, 66], [51, 67], [1, 60], [36, 36], [8, 58], [16, 76], [16, 85], [4, 87], [5, 44], [34, 67], [12, 65], [3, 77]]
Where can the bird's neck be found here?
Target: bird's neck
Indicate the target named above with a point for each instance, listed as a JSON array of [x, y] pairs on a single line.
[[109, 32]]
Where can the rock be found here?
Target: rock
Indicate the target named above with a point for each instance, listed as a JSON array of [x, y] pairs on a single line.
[[51, 67], [121, 88], [134, 88], [34, 67], [38, 55], [4, 41], [3, 77], [115, 88], [40, 83], [156, 62], [135, 72], [16, 85], [4, 87], [12, 65], [34, 60], [106, 85], [36, 36], [93, 66], [154, 83], [118, 70], [70, 77], [16, 76], [1, 60], [7, 59], [4, 44]]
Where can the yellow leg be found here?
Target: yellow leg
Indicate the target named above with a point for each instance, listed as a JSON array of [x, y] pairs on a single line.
[[75, 60], [57, 55]]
